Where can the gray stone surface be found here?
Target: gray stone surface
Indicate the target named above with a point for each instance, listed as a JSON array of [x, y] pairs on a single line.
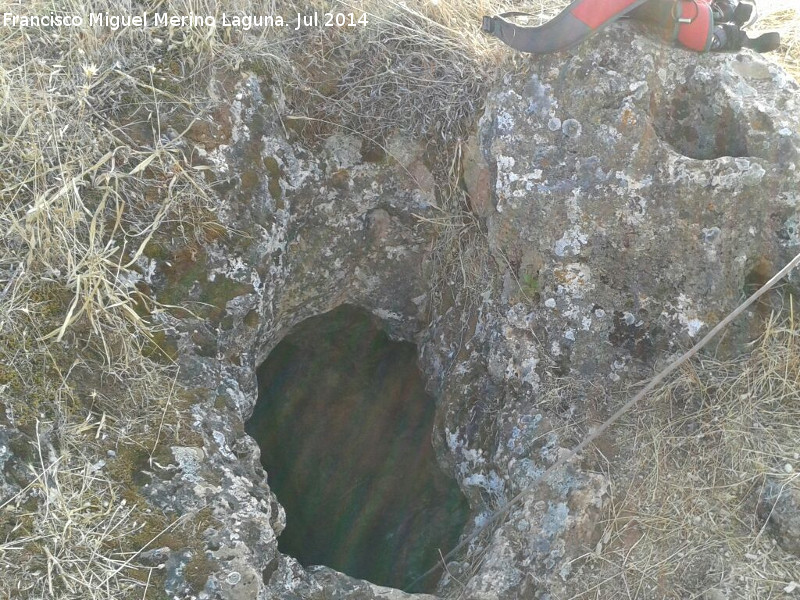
[[780, 508], [627, 193]]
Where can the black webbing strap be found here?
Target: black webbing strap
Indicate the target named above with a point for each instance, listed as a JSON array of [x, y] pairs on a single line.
[[489, 24]]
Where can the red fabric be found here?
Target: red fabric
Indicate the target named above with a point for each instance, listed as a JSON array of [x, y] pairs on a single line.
[[595, 13], [697, 34]]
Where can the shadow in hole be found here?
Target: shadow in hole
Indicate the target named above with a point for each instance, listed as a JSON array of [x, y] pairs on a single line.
[[344, 425]]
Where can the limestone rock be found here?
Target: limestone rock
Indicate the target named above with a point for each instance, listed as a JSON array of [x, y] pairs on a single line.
[[339, 587], [639, 191], [630, 194], [780, 508]]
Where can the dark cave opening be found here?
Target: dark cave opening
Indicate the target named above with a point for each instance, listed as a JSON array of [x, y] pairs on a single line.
[[344, 425]]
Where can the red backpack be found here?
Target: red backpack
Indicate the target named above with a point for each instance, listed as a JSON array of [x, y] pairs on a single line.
[[700, 25]]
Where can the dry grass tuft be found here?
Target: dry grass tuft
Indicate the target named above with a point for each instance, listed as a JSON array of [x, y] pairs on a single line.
[[419, 67], [90, 170], [684, 518], [459, 264], [93, 162], [70, 530]]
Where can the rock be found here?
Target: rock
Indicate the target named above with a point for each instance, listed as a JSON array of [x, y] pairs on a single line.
[[627, 221], [622, 192], [477, 178], [341, 587], [780, 508]]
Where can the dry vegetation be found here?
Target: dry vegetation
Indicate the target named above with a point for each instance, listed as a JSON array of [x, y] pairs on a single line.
[[71, 544], [783, 16], [706, 458], [90, 171]]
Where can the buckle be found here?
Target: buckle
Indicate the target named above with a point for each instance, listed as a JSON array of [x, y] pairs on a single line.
[[677, 12]]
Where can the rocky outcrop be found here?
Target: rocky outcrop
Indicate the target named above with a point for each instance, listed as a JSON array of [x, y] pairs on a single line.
[[780, 508], [637, 194], [627, 194]]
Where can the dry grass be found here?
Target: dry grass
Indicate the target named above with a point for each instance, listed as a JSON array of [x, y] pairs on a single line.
[[90, 170], [783, 16], [69, 543], [459, 265], [684, 515], [418, 67]]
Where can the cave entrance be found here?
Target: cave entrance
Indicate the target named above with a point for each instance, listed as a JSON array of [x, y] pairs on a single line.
[[344, 425]]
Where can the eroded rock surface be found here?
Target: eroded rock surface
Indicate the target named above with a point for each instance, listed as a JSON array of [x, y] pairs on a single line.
[[780, 508], [629, 194]]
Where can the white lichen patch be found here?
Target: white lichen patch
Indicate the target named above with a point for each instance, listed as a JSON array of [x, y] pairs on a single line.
[[342, 151], [505, 123], [218, 157], [574, 211], [571, 242], [396, 252], [471, 467], [618, 366], [387, 315], [519, 318], [222, 444], [738, 173], [686, 315], [491, 482], [527, 372], [295, 171], [791, 229], [459, 448], [572, 128], [505, 178], [189, 459]]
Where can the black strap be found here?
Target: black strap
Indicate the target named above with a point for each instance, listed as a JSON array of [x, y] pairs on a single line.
[[766, 42], [566, 29], [489, 24]]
